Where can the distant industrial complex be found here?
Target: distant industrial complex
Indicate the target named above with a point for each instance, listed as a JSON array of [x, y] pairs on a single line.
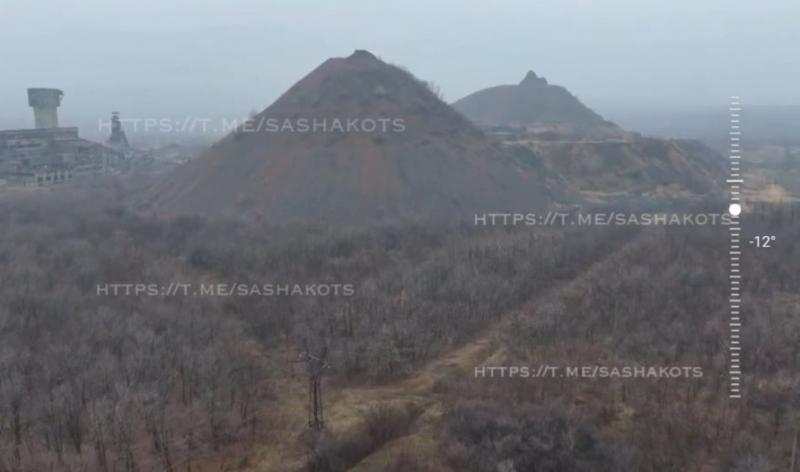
[[50, 154]]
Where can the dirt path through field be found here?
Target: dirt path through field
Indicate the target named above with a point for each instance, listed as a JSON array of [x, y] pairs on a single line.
[[345, 407]]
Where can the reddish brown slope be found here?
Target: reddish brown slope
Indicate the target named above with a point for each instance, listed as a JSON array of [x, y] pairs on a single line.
[[424, 161]]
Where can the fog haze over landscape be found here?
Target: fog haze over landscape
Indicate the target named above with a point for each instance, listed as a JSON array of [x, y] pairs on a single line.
[[408, 236], [215, 59]]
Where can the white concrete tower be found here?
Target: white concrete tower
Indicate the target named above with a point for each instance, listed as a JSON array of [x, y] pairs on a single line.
[[45, 102]]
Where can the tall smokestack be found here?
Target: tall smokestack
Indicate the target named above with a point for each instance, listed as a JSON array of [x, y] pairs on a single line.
[[45, 102]]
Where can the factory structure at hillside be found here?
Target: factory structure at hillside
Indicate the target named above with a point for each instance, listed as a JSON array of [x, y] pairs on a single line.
[[49, 154]]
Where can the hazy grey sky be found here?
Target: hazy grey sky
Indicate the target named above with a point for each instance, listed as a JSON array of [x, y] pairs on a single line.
[[226, 57]]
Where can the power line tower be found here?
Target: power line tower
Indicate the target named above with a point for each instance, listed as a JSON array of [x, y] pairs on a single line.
[[316, 363]]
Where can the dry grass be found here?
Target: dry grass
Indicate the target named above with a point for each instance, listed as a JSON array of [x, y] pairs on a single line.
[[346, 408]]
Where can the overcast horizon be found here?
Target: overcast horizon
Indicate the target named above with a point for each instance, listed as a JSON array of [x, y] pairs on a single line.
[[218, 59]]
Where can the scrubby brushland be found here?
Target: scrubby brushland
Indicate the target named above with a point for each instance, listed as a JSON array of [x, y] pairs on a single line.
[[102, 381], [663, 303], [93, 379]]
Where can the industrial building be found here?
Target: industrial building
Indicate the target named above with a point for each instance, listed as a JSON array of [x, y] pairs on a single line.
[[49, 154]]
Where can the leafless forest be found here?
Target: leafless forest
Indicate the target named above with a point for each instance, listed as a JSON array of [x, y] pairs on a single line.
[[96, 382]]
